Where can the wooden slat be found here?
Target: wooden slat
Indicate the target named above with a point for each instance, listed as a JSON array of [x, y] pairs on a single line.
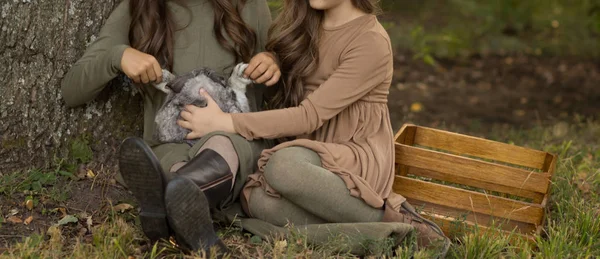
[[471, 168], [399, 137], [449, 228], [479, 147], [535, 196], [472, 217], [401, 134], [550, 163], [468, 200], [406, 135], [549, 167]]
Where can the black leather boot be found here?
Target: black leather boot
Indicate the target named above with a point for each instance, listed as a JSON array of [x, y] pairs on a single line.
[[145, 178], [202, 184]]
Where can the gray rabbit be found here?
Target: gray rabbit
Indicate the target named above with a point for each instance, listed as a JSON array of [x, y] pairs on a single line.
[[182, 90]]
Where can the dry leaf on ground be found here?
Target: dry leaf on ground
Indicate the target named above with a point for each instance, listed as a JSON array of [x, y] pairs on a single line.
[[416, 107], [123, 207], [67, 219], [63, 211], [13, 212], [28, 220], [14, 220], [29, 204], [89, 222]]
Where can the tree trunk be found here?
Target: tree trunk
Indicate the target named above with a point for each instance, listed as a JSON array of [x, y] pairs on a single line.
[[39, 41]]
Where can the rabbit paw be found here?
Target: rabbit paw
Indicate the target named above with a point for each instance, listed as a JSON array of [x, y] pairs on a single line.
[[166, 78], [237, 80]]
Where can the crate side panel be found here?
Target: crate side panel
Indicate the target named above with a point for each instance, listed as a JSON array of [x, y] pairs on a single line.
[[458, 215], [550, 167], [473, 169], [401, 134], [468, 200], [406, 136], [535, 197], [479, 147], [454, 230]]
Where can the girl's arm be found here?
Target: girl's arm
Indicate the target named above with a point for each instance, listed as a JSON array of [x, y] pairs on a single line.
[[263, 68], [264, 22], [101, 61], [364, 65]]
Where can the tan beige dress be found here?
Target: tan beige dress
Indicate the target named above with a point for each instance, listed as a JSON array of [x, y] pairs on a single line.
[[344, 117]]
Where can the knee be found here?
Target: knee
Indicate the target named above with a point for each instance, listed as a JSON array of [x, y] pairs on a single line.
[[218, 143], [283, 170], [263, 207], [220, 139]]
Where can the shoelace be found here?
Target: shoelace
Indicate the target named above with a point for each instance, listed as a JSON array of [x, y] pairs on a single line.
[[410, 219]]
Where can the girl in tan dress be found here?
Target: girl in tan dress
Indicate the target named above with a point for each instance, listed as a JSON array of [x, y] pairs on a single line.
[[337, 63]]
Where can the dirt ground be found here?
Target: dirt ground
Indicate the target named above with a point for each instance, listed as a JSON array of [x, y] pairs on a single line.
[[469, 96], [478, 93], [87, 198]]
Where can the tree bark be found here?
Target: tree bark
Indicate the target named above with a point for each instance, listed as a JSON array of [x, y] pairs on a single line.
[[39, 41]]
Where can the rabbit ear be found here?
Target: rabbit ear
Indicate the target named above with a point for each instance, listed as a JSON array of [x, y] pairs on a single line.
[[177, 84], [214, 76]]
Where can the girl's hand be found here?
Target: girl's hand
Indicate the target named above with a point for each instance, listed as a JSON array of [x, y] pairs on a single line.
[[263, 68], [201, 121], [140, 67]]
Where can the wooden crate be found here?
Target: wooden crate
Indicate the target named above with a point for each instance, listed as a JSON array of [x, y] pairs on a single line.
[[461, 182]]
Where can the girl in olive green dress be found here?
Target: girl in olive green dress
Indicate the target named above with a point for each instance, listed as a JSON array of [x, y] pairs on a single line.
[[138, 39]]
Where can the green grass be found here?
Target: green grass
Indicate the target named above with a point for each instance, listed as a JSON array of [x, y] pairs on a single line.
[[112, 239], [571, 231], [53, 184], [461, 28]]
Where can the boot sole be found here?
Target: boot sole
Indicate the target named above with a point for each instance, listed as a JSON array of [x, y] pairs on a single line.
[[143, 176], [189, 215]]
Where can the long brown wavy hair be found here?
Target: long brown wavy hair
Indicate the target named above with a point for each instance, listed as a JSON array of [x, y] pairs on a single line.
[[152, 28], [294, 38]]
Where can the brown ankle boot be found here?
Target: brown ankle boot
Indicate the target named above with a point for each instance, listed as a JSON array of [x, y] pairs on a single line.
[[429, 234]]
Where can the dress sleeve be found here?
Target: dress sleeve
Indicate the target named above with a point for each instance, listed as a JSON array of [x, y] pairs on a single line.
[[264, 22], [101, 61], [364, 65]]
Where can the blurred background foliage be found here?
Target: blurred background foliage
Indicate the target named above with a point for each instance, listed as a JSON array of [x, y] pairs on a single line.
[[451, 29]]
